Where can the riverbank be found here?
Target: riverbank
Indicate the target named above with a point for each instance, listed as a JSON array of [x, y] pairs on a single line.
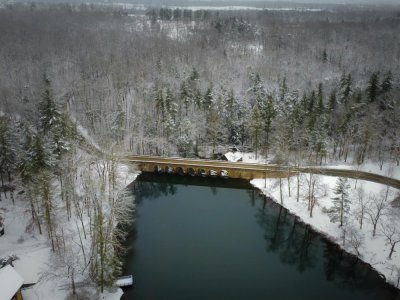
[[36, 262], [373, 250]]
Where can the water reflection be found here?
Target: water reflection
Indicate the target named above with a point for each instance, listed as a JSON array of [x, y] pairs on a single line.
[[283, 234], [299, 246], [274, 236]]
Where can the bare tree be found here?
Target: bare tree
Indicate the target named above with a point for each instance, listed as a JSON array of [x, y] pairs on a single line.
[[314, 191], [363, 203], [391, 231], [376, 209], [355, 240]]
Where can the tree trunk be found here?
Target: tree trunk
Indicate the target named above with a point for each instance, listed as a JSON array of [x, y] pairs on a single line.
[[298, 186], [374, 231], [73, 282], [341, 211], [392, 250]]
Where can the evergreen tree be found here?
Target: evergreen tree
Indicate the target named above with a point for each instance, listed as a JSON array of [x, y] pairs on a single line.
[[320, 97], [198, 98], [194, 75], [358, 97], [387, 82], [177, 14], [184, 95], [40, 155], [215, 129], [346, 88], [8, 150], [168, 100], [256, 128], [373, 87], [311, 112], [208, 98], [117, 125], [311, 103], [386, 102], [324, 56], [341, 201], [49, 115], [257, 90], [231, 108], [332, 101], [159, 100], [268, 114], [283, 89]]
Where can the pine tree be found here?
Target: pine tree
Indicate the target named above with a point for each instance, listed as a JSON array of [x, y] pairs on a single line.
[[341, 202], [184, 95], [324, 56], [268, 114], [257, 90], [65, 132], [215, 130], [311, 112], [168, 100], [8, 150], [208, 98], [235, 118], [283, 89], [49, 115], [386, 101], [346, 88], [373, 87], [332, 100], [194, 75], [159, 100], [358, 97], [256, 128], [320, 97], [387, 82]]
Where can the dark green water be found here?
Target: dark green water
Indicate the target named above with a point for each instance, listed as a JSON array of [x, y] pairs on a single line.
[[199, 238]]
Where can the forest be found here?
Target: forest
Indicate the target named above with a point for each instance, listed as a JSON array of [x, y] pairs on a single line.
[[177, 82], [299, 87]]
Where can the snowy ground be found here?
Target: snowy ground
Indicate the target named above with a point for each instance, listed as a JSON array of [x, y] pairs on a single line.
[[372, 167], [374, 250], [36, 260]]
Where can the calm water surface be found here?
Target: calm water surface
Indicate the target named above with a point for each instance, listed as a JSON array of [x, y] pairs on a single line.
[[199, 238]]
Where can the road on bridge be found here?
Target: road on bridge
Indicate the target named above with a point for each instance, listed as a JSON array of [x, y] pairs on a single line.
[[263, 168]]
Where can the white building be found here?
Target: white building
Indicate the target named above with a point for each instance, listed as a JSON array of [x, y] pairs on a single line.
[[10, 284]]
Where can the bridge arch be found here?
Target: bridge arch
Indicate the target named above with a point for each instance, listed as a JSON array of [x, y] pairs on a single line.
[[158, 169], [191, 171], [179, 170], [202, 172]]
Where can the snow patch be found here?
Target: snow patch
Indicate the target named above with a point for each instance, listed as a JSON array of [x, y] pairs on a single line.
[[10, 282], [234, 156]]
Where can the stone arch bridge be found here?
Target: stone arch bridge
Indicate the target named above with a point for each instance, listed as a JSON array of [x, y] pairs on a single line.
[[217, 168]]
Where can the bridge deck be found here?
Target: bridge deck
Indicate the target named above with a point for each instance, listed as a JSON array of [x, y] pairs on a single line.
[[250, 170], [234, 170]]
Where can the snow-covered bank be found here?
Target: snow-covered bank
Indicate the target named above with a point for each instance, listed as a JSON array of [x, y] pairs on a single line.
[[373, 250], [37, 263]]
